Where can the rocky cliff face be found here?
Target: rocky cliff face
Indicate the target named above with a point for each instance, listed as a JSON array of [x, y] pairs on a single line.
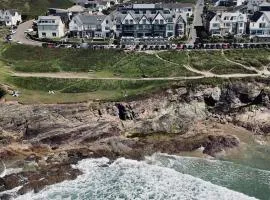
[[175, 120]]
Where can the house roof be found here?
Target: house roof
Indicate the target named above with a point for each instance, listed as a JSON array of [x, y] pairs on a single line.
[[56, 18], [210, 15], [177, 5], [11, 11], [256, 16], [89, 19], [267, 14], [76, 8], [232, 16], [264, 4], [144, 6]]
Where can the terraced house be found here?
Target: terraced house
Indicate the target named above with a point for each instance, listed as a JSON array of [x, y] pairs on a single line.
[[260, 24], [86, 25], [149, 20], [234, 23]]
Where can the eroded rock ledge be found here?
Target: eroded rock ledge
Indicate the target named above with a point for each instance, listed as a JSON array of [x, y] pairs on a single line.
[[46, 139]]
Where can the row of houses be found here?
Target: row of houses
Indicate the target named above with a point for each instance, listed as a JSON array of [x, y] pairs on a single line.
[[96, 5], [10, 17], [136, 20], [239, 23]]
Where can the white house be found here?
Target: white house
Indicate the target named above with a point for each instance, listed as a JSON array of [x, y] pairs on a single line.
[[86, 25], [260, 24], [10, 17], [50, 27], [234, 23]]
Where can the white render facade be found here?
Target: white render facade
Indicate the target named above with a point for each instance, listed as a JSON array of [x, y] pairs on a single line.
[[138, 21], [10, 17], [149, 20], [228, 23], [86, 25], [50, 27], [261, 25]]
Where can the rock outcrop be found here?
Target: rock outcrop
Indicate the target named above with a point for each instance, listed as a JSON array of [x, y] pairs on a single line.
[[51, 137]]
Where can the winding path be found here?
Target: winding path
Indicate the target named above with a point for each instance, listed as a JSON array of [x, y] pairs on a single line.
[[201, 74]]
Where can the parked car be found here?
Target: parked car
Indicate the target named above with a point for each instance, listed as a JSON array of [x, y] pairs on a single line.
[[29, 30]]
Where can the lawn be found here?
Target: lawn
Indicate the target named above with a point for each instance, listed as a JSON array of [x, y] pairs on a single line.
[[35, 90], [4, 31], [97, 62], [250, 57], [213, 61], [33, 8]]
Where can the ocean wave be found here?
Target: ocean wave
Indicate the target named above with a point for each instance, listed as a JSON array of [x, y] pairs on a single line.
[[134, 180]]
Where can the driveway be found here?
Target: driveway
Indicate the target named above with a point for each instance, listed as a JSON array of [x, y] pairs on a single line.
[[197, 21], [19, 36]]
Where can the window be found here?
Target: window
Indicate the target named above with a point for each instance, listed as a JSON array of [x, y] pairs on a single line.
[[107, 22], [53, 21], [240, 24], [240, 30], [43, 34], [161, 21], [144, 11], [170, 19], [153, 12], [137, 12], [259, 32], [131, 21], [262, 25], [126, 21], [170, 34], [253, 32], [215, 25], [144, 21], [226, 18], [54, 34], [156, 21], [170, 27], [227, 24]]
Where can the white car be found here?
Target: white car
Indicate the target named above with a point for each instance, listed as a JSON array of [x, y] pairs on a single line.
[[29, 30]]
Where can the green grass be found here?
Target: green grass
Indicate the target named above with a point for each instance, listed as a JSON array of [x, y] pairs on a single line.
[[34, 8], [181, 59], [213, 61], [108, 63], [3, 33], [99, 62], [35, 90], [79, 85], [250, 57]]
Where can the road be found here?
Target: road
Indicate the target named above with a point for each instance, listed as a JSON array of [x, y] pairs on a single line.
[[197, 21], [19, 36]]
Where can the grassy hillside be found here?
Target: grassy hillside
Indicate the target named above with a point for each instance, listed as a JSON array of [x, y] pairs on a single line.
[[34, 7], [111, 63], [100, 63]]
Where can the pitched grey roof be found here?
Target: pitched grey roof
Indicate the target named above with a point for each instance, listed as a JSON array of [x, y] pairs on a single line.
[[177, 5], [89, 19]]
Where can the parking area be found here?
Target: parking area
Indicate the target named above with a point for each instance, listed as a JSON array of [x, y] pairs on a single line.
[[159, 47]]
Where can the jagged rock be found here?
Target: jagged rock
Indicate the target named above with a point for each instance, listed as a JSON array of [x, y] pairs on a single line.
[[163, 122]]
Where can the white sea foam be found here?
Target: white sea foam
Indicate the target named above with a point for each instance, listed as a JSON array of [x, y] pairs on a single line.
[[129, 179]]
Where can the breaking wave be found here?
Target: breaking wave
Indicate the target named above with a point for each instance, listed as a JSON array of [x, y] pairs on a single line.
[[134, 180]]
